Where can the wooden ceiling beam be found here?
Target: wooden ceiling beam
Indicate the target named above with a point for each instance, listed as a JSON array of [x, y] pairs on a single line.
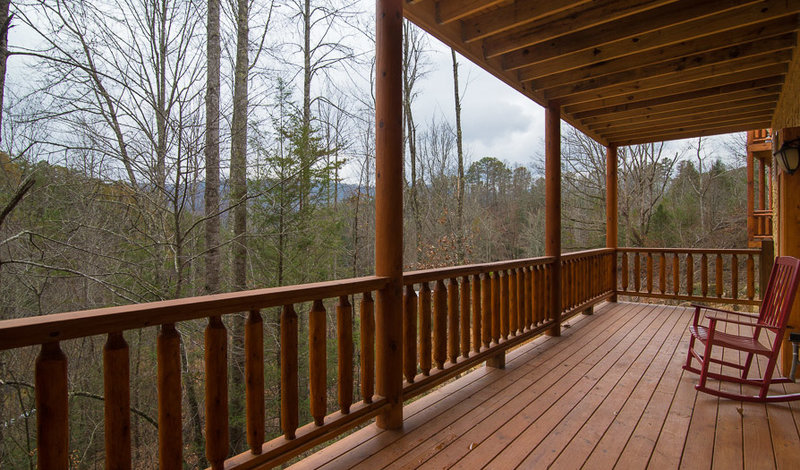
[[676, 69], [656, 134], [728, 129], [544, 78], [697, 78], [548, 61], [682, 89], [713, 94], [683, 113], [518, 13], [448, 11], [699, 120], [568, 21], [715, 15]]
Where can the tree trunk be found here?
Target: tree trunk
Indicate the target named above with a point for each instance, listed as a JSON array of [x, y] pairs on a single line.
[[212, 151], [5, 22], [460, 184], [239, 197]]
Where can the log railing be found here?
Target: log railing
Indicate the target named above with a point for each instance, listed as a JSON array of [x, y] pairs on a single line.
[[453, 319], [762, 224], [731, 276]]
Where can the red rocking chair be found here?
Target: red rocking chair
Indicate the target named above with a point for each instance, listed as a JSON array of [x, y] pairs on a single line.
[[773, 317]]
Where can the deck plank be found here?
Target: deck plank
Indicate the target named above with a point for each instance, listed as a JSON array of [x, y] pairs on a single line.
[[608, 393]]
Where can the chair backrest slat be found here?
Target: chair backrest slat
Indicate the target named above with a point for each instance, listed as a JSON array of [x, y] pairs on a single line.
[[781, 289]]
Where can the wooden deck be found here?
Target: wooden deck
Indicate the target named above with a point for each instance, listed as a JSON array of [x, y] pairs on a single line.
[[610, 392]]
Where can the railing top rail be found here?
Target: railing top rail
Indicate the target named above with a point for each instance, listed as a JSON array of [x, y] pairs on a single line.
[[762, 212], [29, 331], [436, 274], [586, 253], [708, 251]]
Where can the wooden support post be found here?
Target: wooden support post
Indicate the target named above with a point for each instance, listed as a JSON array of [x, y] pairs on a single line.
[[612, 213], [552, 231], [389, 208], [765, 261], [789, 235], [751, 221]]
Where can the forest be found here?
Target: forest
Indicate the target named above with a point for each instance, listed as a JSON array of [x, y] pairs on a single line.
[[164, 149]]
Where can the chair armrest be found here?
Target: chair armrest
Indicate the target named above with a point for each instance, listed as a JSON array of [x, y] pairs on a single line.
[[716, 318], [715, 309]]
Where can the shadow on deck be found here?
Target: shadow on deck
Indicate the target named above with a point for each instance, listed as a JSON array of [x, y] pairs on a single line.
[[609, 392]]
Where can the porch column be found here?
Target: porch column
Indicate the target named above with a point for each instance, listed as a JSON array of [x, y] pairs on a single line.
[[611, 211], [751, 222], [389, 209], [789, 236], [552, 225]]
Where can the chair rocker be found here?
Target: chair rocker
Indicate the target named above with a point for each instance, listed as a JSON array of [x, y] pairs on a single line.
[[773, 317]]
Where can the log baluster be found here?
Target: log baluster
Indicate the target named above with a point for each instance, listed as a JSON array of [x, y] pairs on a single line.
[[117, 403], [344, 340], [662, 272], [367, 347], [512, 302], [528, 298], [254, 379], [718, 266], [704, 274], [410, 333], [504, 300], [318, 362], [170, 439], [486, 310], [452, 320], [624, 271], [425, 353], [439, 324], [734, 276], [751, 277], [52, 407], [290, 408], [521, 325], [495, 307], [676, 273], [649, 272], [216, 361], [464, 311], [637, 272], [476, 313], [689, 275]]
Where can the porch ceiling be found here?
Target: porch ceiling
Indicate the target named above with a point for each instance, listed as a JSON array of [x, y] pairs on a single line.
[[630, 71]]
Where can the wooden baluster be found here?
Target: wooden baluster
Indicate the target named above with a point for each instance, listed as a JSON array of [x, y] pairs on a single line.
[[718, 266], [536, 300], [486, 310], [689, 275], [624, 272], [495, 307], [676, 274], [170, 438], [521, 325], [452, 320], [318, 362], [344, 336], [528, 300], [425, 354], [704, 274], [52, 408], [504, 300], [662, 272], [464, 298], [216, 358], [734, 277], [751, 277], [117, 403], [367, 347], [439, 324], [476, 313], [637, 272], [254, 378], [512, 302], [649, 272], [290, 408], [541, 294], [410, 333], [565, 284]]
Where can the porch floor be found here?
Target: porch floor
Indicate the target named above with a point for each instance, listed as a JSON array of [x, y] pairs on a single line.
[[609, 392]]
